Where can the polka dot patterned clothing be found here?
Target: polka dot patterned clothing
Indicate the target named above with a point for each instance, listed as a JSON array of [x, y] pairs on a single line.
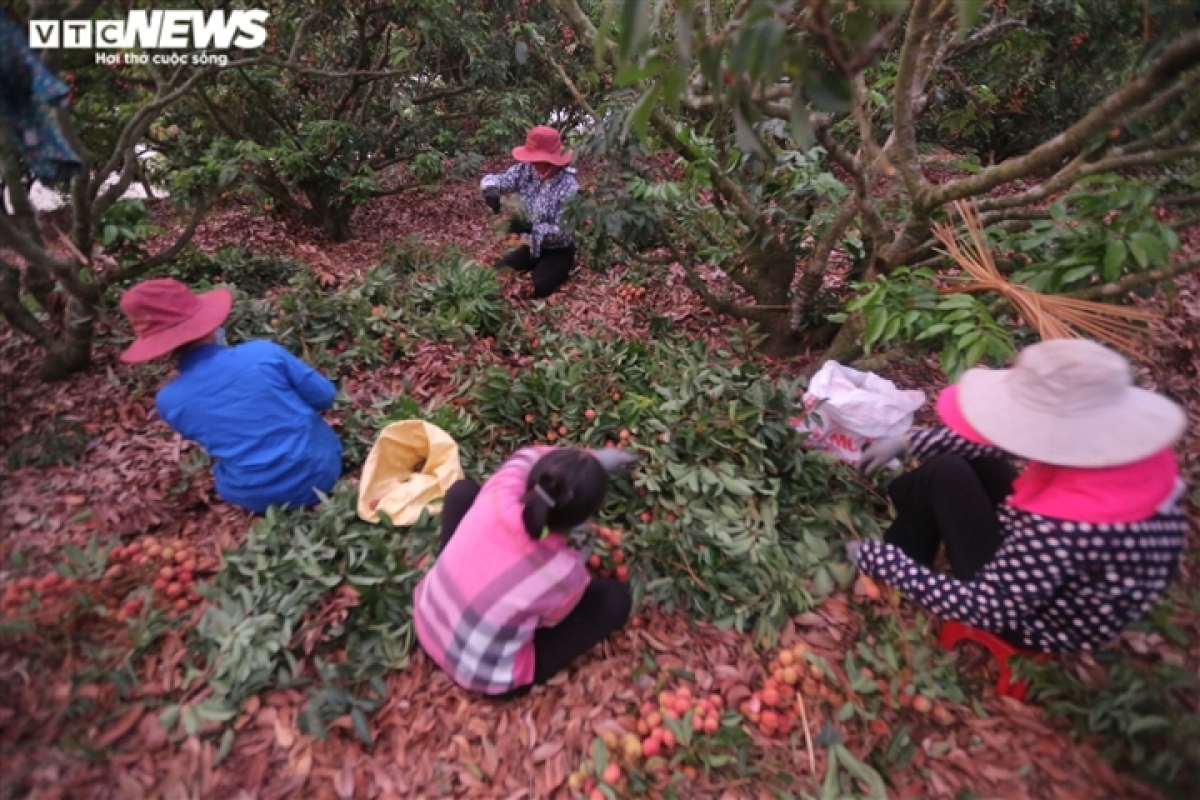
[[543, 202], [1054, 585]]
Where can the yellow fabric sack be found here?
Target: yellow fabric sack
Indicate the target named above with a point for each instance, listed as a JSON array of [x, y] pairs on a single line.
[[410, 467]]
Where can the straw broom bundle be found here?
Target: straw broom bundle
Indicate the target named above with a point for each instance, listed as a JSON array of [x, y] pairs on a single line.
[[1052, 316]]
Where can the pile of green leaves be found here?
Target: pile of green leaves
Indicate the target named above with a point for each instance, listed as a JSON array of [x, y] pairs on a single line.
[[251, 273], [905, 656], [1143, 717], [265, 625], [731, 519], [446, 299]]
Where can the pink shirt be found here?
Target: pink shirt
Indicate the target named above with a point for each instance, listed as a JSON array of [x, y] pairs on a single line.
[[476, 611]]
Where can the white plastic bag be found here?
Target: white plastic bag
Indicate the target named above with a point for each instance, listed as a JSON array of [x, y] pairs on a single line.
[[845, 409]]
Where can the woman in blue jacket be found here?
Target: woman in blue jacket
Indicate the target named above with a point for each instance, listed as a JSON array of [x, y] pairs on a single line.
[[255, 408]]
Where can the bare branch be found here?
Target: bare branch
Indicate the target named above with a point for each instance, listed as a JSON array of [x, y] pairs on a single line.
[[984, 36], [1176, 58], [818, 262], [14, 311], [130, 170], [1061, 180], [30, 250], [566, 81], [906, 90], [1148, 158], [1135, 280], [441, 94], [12, 177], [298, 41], [142, 267], [721, 305]]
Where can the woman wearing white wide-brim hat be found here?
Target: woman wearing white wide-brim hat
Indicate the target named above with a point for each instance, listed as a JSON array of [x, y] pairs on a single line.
[[1081, 543]]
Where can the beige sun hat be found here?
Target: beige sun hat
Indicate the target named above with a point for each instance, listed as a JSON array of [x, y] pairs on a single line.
[[1069, 402]]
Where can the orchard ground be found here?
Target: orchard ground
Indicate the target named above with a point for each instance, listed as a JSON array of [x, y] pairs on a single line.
[[82, 698]]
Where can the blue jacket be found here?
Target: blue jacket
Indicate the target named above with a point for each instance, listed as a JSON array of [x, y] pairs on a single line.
[[254, 409]]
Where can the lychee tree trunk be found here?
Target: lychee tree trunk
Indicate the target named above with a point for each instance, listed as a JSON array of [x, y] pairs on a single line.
[[328, 209]]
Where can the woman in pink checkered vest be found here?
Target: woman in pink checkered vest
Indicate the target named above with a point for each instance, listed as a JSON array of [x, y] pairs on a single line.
[[509, 603]]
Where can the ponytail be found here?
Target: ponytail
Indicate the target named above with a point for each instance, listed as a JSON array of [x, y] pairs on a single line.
[[565, 488]]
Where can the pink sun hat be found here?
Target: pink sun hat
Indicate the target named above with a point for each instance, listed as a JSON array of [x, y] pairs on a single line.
[[1068, 402], [166, 315], [543, 145]]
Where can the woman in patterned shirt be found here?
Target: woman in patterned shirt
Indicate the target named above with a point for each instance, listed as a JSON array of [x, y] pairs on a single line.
[[544, 182], [1064, 555], [509, 603]]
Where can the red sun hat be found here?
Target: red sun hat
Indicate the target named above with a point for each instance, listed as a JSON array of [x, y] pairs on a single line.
[[543, 145], [166, 314]]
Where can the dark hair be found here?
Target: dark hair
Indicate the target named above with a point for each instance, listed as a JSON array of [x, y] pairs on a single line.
[[572, 485]]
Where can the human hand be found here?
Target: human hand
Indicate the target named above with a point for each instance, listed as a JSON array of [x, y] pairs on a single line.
[[881, 452], [854, 552], [491, 196], [518, 226], [614, 459]]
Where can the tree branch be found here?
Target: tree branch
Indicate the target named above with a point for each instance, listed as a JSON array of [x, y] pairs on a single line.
[[983, 36], [14, 311], [566, 80], [1178, 57], [28, 249], [142, 267], [442, 94], [721, 305], [906, 87], [818, 262], [1135, 280], [1148, 158]]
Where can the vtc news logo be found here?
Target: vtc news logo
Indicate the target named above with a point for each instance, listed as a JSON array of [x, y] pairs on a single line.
[[154, 30]]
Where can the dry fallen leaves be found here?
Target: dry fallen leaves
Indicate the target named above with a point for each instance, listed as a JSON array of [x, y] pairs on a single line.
[[432, 740]]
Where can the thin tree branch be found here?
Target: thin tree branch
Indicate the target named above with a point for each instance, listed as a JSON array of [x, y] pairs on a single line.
[[1180, 200], [906, 88], [142, 267], [14, 311], [1176, 58], [818, 262], [1135, 280], [442, 94], [28, 249]]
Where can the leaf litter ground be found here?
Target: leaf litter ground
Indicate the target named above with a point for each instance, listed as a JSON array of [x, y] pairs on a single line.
[[66, 733]]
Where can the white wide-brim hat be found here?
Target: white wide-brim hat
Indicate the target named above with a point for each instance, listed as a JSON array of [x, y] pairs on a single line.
[[1069, 402]]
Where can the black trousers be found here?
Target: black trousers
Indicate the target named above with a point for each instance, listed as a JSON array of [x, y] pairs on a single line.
[[550, 270], [603, 609], [951, 501]]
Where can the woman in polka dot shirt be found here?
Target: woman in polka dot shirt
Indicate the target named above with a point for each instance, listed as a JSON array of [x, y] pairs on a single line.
[[1065, 554], [544, 182]]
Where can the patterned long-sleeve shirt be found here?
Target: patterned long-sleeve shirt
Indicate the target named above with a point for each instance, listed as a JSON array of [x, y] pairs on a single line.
[[493, 586], [1054, 585], [543, 202]]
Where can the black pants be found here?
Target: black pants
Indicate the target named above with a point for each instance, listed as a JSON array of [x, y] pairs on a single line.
[[550, 271], [951, 501], [603, 609]]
